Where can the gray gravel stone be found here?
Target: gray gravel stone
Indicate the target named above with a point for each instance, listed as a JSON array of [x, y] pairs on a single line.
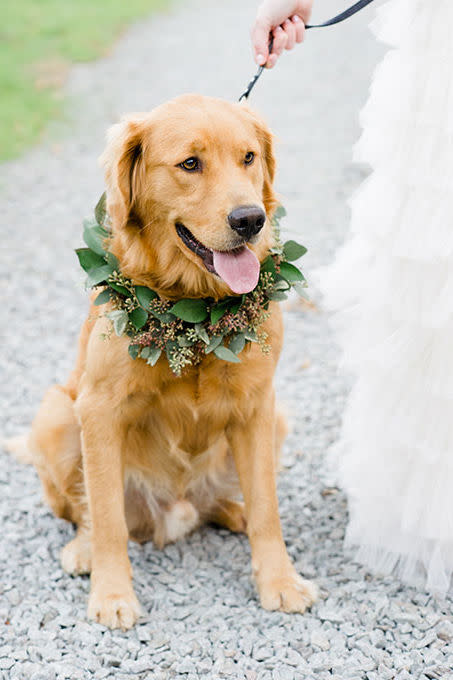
[[318, 639], [445, 631]]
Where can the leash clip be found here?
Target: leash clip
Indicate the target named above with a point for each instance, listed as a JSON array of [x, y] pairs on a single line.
[[252, 83]]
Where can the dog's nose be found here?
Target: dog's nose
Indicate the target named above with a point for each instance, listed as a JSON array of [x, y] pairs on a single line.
[[247, 220]]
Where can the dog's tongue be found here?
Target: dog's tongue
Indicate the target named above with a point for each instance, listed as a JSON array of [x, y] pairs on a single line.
[[240, 269]]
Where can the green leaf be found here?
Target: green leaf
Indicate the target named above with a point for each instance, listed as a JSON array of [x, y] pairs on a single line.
[[269, 265], [120, 289], [164, 317], [217, 312], [293, 250], [98, 275], [138, 317], [279, 213], [226, 354], [88, 259], [282, 284], [291, 273], [100, 211], [144, 296], [251, 335], [113, 261], [184, 342], [213, 343], [154, 355], [145, 352], [278, 296], [103, 297], [94, 237], [120, 319], [170, 347], [202, 333], [190, 310], [133, 351], [301, 289], [235, 308], [237, 343]]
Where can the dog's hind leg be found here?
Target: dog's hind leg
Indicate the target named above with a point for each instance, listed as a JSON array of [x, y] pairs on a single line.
[[56, 450], [56, 453]]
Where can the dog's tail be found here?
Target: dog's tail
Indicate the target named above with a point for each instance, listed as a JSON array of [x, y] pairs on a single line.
[[19, 447]]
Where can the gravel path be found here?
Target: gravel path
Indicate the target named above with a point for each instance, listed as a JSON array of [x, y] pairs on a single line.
[[203, 620]]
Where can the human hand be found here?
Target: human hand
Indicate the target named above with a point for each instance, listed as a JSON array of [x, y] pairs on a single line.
[[285, 21]]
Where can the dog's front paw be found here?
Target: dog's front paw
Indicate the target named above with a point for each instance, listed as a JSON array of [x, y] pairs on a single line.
[[114, 608], [286, 591]]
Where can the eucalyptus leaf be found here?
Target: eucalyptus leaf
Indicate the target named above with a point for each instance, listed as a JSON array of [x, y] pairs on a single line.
[[119, 289], [291, 273], [154, 355], [226, 354], [100, 211], [164, 317], [217, 312], [190, 310], [237, 343], [120, 319], [235, 307], [280, 212], [144, 296], [98, 275], [145, 352], [251, 335], [293, 250], [278, 296], [282, 284], [138, 317], [202, 333], [269, 265], [103, 297], [89, 259], [133, 351], [301, 289], [184, 342], [94, 236], [90, 223], [213, 343], [113, 261]]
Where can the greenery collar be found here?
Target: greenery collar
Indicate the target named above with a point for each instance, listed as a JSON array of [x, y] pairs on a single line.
[[186, 330]]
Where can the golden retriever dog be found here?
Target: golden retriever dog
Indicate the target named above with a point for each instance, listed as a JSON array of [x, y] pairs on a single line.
[[130, 451]]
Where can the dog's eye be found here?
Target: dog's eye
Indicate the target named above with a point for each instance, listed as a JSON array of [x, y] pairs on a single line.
[[249, 158], [190, 164]]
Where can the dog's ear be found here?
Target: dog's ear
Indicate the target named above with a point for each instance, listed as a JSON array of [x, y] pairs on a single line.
[[266, 140], [124, 168]]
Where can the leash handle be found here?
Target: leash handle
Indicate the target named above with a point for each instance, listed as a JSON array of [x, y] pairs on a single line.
[[361, 4]]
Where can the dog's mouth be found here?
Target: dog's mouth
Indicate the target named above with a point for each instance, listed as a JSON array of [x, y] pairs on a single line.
[[239, 268]]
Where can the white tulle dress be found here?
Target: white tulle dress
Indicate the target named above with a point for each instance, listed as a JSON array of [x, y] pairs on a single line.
[[392, 289]]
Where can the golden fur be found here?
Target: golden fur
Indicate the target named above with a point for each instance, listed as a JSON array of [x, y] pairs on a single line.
[[126, 450]]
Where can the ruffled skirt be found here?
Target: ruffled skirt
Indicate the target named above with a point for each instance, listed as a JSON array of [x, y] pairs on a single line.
[[391, 288]]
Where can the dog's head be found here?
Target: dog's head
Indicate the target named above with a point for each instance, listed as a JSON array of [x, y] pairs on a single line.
[[189, 192]]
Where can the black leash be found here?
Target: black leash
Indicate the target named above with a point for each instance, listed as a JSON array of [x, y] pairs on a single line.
[[331, 22]]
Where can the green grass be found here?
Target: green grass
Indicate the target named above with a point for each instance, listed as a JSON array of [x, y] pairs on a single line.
[[39, 39]]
